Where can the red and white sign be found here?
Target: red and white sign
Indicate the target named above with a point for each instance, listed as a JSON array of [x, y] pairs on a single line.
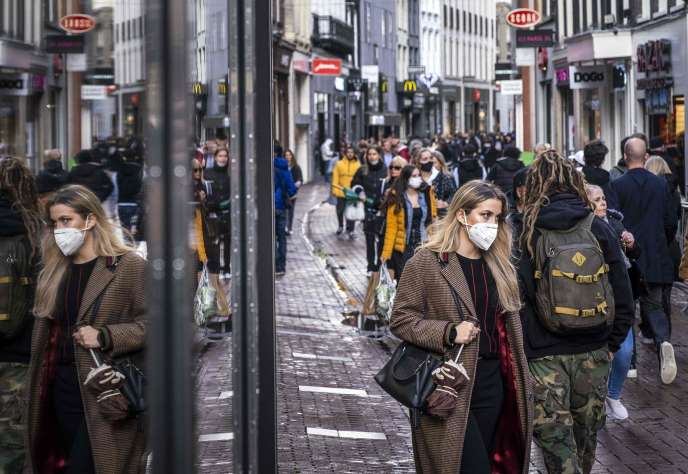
[[523, 18], [326, 67], [77, 23]]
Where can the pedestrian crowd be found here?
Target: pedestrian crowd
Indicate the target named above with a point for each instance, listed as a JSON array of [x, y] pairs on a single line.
[[522, 283]]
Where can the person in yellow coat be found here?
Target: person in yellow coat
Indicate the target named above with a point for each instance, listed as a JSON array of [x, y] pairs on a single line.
[[343, 173], [411, 209]]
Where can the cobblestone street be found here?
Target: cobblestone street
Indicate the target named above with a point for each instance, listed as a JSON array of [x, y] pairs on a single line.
[[334, 417]]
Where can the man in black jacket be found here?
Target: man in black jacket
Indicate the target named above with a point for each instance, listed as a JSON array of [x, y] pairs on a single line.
[[644, 199], [89, 173], [503, 172], [569, 371], [594, 154]]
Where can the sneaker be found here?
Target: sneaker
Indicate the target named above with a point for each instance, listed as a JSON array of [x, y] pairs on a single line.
[[615, 409], [667, 363], [280, 274], [369, 274], [646, 340], [288, 232], [632, 374], [339, 231], [352, 236]]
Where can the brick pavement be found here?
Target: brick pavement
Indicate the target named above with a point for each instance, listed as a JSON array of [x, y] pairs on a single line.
[[653, 439], [315, 349]]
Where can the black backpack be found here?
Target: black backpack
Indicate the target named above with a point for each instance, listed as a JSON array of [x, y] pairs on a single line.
[[16, 285]]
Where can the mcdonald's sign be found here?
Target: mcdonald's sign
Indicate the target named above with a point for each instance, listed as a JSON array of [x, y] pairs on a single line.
[[198, 88], [384, 86], [222, 88], [410, 86]]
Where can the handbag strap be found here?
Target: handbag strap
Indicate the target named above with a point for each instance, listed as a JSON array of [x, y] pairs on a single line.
[[443, 260]]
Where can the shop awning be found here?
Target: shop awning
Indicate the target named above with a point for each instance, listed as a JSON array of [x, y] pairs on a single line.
[[387, 119], [599, 45]]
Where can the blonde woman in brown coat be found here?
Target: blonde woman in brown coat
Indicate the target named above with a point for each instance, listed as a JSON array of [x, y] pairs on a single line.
[[83, 261], [468, 253]]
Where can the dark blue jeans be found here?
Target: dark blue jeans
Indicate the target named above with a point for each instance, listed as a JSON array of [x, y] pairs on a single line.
[[128, 214], [280, 240], [656, 308]]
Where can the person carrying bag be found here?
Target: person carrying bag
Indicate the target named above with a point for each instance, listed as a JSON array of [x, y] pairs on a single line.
[[482, 422]]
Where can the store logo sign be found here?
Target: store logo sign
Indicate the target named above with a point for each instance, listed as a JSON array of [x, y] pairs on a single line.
[[326, 67], [15, 84], [523, 18], [587, 77], [77, 24], [410, 86]]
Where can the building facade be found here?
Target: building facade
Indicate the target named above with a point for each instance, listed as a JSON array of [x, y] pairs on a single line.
[[298, 27], [337, 113], [431, 55], [505, 105], [596, 82], [130, 67], [26, 87], [378, 48]]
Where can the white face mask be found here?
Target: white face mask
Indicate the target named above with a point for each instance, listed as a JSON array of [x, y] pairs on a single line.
[[69, 240], [482, 234], [415, 182]]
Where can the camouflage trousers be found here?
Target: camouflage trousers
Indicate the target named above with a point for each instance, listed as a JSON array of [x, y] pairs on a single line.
[[569, 392], [13, 380]]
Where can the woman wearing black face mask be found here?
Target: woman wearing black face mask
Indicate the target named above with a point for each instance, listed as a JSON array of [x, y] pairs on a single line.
[[371, 177], [434, 172]]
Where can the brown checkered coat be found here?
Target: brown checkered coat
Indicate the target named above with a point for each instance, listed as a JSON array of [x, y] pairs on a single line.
[[423, 309], [117, 447]]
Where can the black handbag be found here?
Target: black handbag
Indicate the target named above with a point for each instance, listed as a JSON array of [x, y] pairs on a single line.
[[407, 376], [134, 386]]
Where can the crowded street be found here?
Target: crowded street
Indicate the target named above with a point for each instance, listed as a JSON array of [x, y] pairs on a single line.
[[343, 236], [326, 368]]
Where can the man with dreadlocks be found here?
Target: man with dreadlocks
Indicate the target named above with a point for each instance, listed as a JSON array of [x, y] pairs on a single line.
[[20, 233], [573, 276]]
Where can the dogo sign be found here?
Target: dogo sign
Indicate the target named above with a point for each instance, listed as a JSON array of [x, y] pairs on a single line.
[[587, 77]]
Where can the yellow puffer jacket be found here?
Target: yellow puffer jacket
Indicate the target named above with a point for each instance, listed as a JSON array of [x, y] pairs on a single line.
[[343, 173], [395, 227]]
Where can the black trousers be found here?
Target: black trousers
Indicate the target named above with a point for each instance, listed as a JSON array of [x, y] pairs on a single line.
[[486, 408], [290, 220], [71, 421], [372, 251], [341, 205]]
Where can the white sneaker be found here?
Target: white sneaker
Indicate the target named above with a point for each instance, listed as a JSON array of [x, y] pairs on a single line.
[[615, 409], [632, 374], [645, 340], [667, 363]]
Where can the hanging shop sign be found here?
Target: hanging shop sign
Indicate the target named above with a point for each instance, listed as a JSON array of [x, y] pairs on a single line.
[[591, 77], [514, 87], [535, 39], [562, 76], [354, 84], [408, 85], [93, 92], [370, 73], [523, 18], [413, 70], [429, 79], [77, 24], [326, 67], [64, 44], [384, 86], [525, 57]]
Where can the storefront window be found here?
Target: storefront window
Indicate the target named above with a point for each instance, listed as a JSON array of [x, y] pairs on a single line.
[[593, 116], [9, 125]]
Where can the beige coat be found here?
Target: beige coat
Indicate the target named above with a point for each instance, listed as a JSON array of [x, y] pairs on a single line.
[[117, 446], [423, 310]]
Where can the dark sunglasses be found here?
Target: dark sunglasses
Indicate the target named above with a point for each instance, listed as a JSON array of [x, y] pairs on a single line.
[[396, 168], [197, 170]]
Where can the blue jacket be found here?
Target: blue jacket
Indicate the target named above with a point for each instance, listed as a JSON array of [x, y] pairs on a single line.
[[422, 203], [283, 182], [645, 201]]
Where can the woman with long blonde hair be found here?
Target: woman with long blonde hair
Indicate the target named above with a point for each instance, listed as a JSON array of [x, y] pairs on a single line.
[[89, 297], [460, 289]]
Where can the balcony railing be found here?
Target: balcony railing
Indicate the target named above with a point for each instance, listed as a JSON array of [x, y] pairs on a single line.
[[333, 35]]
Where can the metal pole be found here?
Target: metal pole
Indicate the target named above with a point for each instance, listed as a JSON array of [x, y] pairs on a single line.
[[170, 277], [253, 292]]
